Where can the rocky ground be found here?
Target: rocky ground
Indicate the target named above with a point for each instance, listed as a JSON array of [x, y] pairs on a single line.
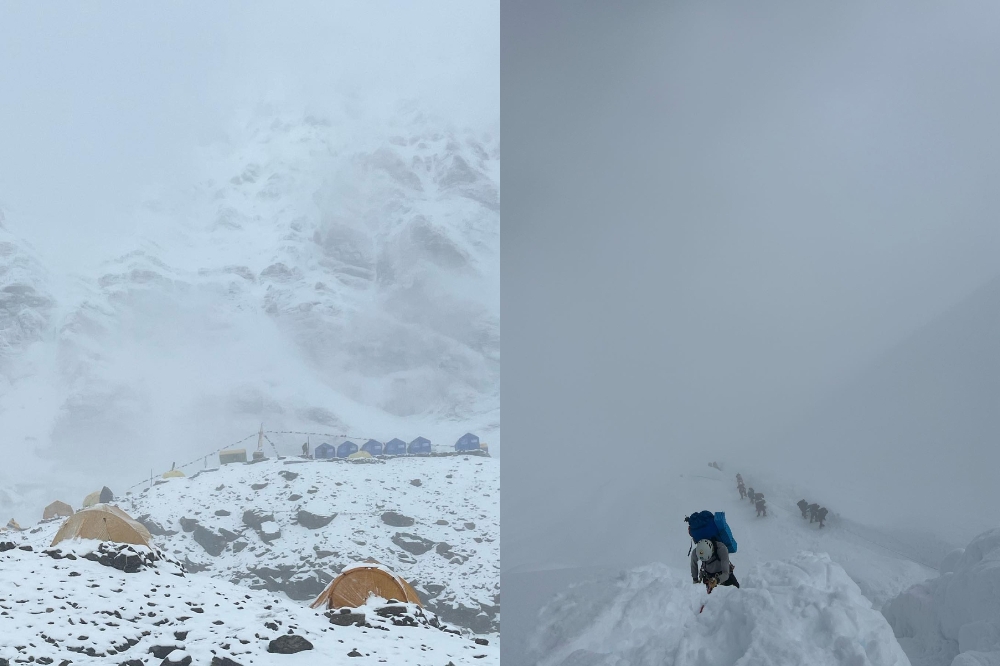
[[290, 526], [86, 603]]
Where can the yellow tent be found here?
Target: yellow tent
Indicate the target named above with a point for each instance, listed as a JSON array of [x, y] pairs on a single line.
[[353, 587], [12, 525], [359, 454], [173, 474], [57, 510], [103, 522]]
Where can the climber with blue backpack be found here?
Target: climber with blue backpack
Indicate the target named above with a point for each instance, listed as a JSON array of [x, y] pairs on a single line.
[[712, 542]]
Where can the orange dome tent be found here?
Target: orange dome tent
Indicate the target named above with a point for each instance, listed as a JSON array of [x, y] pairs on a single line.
[[103, 522], [57, 510], [355, 585]]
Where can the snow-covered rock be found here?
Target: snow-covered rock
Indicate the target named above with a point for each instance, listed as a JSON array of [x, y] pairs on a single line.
[[805, 610], [955, 618], [243, 523], [79, 611]]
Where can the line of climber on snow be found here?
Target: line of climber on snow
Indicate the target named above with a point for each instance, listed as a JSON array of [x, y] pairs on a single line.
[[711, 544], [815, 512], [757, 499]]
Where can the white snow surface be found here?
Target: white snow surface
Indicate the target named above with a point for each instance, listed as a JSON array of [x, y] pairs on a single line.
[[455, 530], [87, 613], [817, 607], [955, 618], [805, 610]]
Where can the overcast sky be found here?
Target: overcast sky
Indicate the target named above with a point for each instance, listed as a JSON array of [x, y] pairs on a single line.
[[104, 101], [715, 216]]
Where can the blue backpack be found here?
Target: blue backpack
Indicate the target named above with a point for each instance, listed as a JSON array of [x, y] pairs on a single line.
[[706, 525]]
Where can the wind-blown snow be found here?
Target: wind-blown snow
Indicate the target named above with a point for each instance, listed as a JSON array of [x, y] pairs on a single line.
[[805, 610], [955, 618], [314, 273]]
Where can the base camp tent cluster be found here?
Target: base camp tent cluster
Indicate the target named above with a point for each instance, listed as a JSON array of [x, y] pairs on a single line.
[[351, 589]]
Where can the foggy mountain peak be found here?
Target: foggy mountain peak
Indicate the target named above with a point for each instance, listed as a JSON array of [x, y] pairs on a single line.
[[308, 275]]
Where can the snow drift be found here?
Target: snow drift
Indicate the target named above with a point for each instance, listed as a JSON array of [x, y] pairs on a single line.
[[806, 610], [954, 619]]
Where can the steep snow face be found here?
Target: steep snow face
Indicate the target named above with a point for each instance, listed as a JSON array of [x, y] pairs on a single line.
[[291, 528], [954, 619], [26, 305], [313, 273], [76, 610], [805, 610]]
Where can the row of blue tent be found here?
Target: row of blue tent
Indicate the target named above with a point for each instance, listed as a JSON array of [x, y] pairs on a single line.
[[394, 447]]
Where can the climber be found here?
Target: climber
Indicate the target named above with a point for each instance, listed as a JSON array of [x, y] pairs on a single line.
[[803, 505], [750, 494], [739, 479], [761, 505], [742, 489], [821, 515], [813, 510], [716, 569]]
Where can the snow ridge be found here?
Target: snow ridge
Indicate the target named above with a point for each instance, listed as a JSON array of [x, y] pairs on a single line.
[[805, 610]]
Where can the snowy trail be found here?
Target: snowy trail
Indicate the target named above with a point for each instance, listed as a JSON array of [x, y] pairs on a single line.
[[803, 611], [809, 595]]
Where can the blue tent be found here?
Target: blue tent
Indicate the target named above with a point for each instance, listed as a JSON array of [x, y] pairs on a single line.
[[346, 449], [325, 450], [372, 446], [395, 447], [419, 445], [467, 442]]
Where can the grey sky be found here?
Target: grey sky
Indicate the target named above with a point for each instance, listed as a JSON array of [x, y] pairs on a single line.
[[716, 216], [103, 101]]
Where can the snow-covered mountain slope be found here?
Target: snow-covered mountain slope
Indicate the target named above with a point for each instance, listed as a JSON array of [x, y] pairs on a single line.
[[804, 610], [924, 411], [25, 302], [879, 566], [954, 619], [312, 273], [61, 611], [291, 526]]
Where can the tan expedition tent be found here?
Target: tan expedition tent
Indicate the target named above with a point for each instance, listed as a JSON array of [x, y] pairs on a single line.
[[353, 587], [57, 510], [104, 495], [103, 522], [12, 525], [173, 474]]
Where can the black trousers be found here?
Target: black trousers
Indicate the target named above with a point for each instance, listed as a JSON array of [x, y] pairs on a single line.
[[731, 581]]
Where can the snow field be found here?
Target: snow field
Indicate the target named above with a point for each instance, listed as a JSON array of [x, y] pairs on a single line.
[[59, 609], [448, 548], [955, 618], [805, 610]]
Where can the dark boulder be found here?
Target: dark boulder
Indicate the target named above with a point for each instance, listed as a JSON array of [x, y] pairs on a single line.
[[412, 543], [289, 644], [213, 543], [394, 519], [161, 651], [254, 518], [154, 527], [224, 661], [188, 524], [313, 521]]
